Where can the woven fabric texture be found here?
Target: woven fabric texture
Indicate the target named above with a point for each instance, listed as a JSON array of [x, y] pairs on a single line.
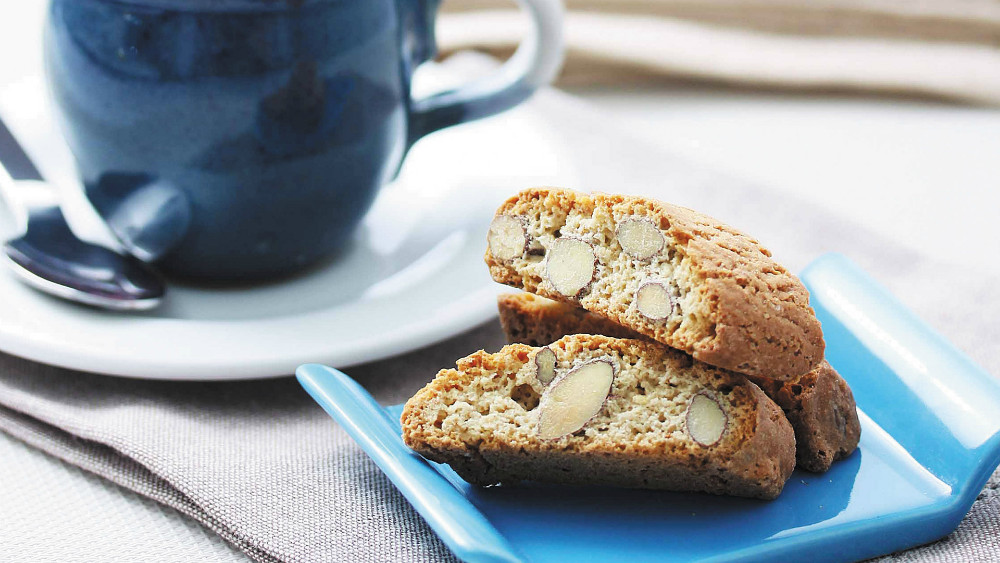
[[54, 512], [259, 464], [933, 48]]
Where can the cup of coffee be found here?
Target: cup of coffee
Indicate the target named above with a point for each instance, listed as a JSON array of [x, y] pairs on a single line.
[[245, 139]]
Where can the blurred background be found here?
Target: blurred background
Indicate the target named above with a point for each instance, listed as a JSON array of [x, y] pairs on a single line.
[[871, 108]]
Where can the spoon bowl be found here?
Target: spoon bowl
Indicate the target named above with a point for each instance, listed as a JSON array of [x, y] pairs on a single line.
[[49, 257]]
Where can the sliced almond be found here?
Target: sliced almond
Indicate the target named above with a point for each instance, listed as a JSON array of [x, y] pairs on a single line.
[[654, 301], [640, 238], [507, 239], [545, 365], [570, 265], [706, 421], [575, 398]]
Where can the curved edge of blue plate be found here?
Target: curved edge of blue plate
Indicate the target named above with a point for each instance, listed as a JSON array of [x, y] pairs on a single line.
[[942, 423], [462, 527], [884, 349]]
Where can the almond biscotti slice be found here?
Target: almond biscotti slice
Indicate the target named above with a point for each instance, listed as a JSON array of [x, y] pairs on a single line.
[[819, 404], [598, 410], [677, 276]]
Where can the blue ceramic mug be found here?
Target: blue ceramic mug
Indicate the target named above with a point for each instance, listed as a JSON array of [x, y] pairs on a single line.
[[241, 139]]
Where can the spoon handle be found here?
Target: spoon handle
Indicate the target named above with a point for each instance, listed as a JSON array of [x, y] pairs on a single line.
[[12, 156], [13, 203]]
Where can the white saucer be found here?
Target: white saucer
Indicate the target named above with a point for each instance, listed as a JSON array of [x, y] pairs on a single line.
[[414, 275]]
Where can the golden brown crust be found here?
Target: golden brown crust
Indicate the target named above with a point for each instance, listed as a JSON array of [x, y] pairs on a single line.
[[821, 409], [754, 459], [767, 448], [749, 314], [819, 405], [537, 321]]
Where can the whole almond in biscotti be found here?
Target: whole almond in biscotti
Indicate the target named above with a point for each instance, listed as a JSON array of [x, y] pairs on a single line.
[[570, 265], [653, 300], [617, 412], [677, 276], [706, 420], [545, 366], [640, 238], [574, 399], [507, 237], [819, 404]]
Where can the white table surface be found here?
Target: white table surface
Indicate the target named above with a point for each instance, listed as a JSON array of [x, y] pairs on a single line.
[[932, 167]]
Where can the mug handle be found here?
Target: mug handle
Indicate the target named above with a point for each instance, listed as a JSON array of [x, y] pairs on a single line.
[[535, 64]]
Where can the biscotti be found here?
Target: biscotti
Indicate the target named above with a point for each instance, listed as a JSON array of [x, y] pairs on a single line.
[[819, 405], [674, 275], [537, 321], [598, 410]]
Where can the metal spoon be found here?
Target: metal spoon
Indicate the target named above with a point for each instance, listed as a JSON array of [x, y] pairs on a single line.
[[49, 257]]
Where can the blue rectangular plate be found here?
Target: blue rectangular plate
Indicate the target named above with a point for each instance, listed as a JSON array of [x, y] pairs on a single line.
[[930, 439]]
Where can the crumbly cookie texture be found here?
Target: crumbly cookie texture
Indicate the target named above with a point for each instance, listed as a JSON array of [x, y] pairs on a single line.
[[819, 405], [672, 274], [615, 412]]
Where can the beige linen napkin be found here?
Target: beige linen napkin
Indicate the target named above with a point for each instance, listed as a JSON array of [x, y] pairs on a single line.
[[940, 48]]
